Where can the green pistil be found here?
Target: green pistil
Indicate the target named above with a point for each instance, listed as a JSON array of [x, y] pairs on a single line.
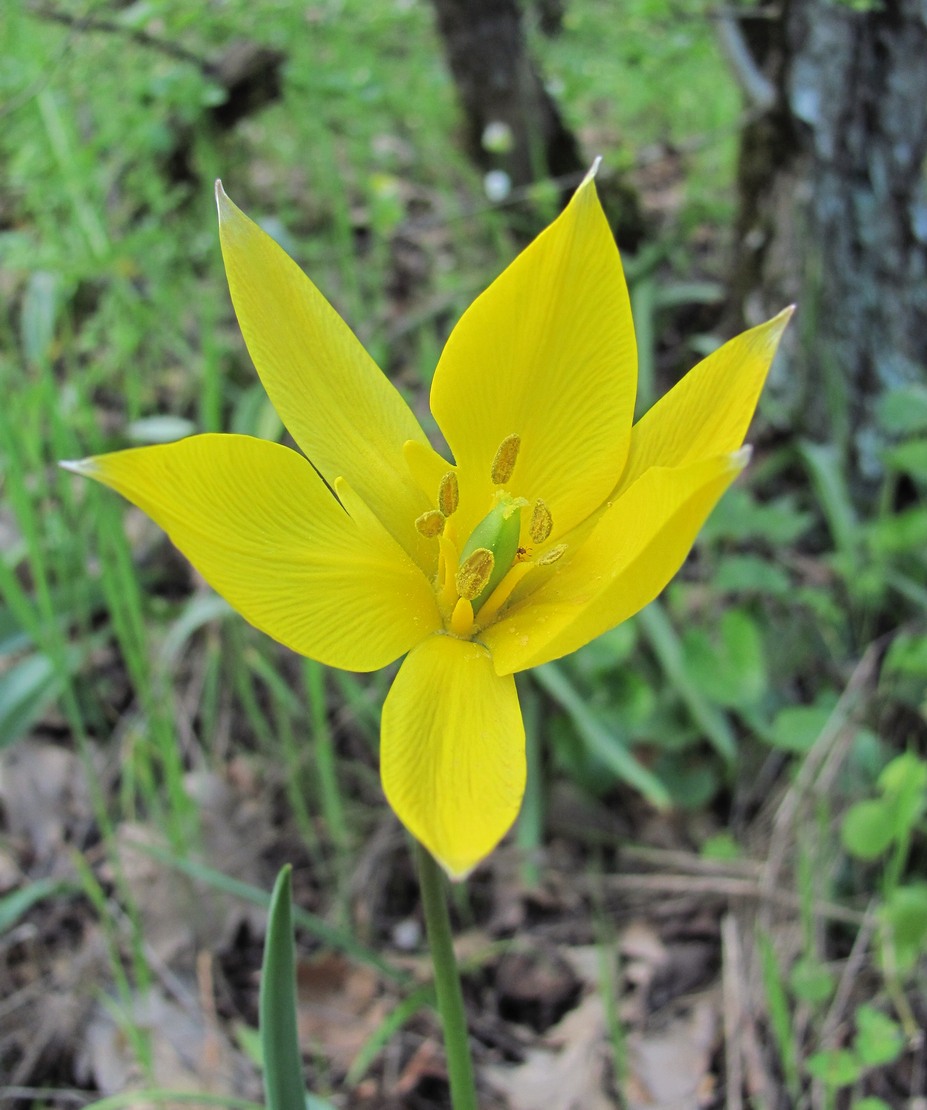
[[497, 532]]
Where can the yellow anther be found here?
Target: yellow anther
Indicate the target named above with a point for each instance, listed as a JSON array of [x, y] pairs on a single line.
[[504, 462], [541, 522], [474, 572], [462, 618], [448, 494], [550, 556], [430, 524]]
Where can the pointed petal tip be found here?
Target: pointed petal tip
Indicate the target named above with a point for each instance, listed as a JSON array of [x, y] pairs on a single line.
[[223, 203], [455, 874], [740, 458], [78, 466], [589, 179], [593, 170], [769, 333]]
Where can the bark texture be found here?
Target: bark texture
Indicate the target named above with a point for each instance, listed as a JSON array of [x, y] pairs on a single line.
[[833, 210], [497, 83]]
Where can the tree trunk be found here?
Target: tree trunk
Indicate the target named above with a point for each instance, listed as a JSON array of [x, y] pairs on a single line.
[[512, 124], [833, 210], [497, 84]]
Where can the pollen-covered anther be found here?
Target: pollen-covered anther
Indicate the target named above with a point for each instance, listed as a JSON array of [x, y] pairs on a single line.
[[448, 494], [550, 556], [474, 572], [430, 524], [504, 463], [542, 522]]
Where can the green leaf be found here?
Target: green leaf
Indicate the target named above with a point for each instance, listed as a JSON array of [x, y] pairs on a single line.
[[692, 782], [909, 458], [830, 483], [811, 981], [667, 646], [780, 1018], [905, 917], [868, 829], [732, 672], [283, 1069], [26, 691], [606, 652], [39, 312], [598, 737], [739, 516], [742, 574], [835, 1068], [721, 846], [907, 655], [899, 533], [904, 784], [879, 1040], [904, 410], [795, 728], [19, 902]]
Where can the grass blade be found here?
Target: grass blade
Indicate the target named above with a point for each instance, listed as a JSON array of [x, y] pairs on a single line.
[[283, 1069]]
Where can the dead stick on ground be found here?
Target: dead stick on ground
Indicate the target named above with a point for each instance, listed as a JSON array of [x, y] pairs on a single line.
[[732, 982]]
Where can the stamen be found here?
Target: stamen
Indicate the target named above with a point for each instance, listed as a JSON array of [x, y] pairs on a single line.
[[448, 494], [446, 571], [504, 462], [462, 618], [551, 556], [500, 595], [542, 522], [474, 572], [430, 524]]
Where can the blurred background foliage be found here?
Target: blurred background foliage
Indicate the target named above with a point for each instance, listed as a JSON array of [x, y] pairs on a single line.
[[767, 714]]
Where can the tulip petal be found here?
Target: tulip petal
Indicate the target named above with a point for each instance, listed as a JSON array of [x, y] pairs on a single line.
[[547, 353], [633, 551], [340, 408], [707, 412], [452, 751], [263, 529]]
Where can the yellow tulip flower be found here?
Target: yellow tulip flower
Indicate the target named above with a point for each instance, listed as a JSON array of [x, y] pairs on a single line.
[[556, 520]]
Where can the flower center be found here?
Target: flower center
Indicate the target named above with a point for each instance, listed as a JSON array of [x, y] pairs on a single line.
[[474, 583]]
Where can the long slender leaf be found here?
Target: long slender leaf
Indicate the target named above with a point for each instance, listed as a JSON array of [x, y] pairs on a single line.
[[664, 640], [602, 741], [283, 1068], [19, 902]]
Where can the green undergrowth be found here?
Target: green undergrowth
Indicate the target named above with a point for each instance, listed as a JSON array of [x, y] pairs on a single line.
[[778, 683]]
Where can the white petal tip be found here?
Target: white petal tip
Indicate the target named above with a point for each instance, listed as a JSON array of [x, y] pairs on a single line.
[[739, 459], [222, 197], [593, 170], [457, 876], [78, 466]]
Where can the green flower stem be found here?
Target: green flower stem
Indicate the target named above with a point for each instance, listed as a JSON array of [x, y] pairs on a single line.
[[447, 982]]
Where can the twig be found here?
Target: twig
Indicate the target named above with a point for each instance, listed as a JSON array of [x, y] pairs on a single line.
[[827, 752], [729, 887], [111, 26], [847, 982], [732, 981]]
